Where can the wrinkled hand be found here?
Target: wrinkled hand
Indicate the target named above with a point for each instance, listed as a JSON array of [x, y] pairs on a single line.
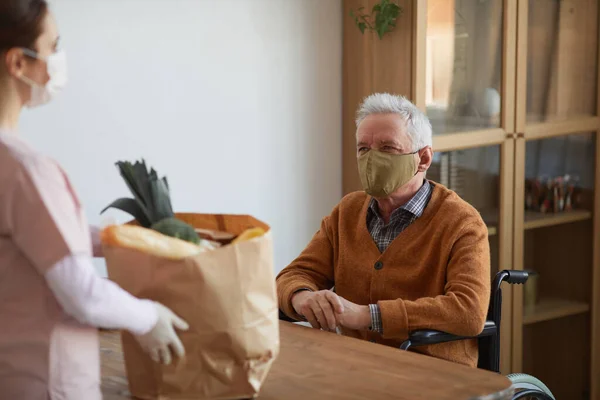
[[319, 308], [353, 316], [162, 338]]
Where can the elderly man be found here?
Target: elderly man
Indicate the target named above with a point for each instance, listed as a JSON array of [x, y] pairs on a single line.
[[404, 254]]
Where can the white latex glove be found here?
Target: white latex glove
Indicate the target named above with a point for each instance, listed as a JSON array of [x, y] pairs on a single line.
[[162, 337]]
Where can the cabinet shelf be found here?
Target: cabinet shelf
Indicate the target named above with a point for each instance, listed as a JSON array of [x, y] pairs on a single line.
[[552, 308], [535, 219]]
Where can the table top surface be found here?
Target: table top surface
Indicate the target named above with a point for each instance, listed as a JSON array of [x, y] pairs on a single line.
[[314, 364]]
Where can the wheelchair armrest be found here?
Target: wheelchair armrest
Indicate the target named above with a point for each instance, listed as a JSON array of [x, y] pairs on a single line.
[[428, 336], [423, 337]]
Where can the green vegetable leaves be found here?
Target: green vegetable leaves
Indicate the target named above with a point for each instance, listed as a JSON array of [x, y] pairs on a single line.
[[132, 207], [178, 229], [151, 198], [151, 202]]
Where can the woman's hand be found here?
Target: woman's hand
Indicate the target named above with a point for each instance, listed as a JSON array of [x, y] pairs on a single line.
[[162, 338]]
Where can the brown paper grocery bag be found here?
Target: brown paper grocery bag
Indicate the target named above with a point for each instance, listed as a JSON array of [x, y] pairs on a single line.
[[227, 296]]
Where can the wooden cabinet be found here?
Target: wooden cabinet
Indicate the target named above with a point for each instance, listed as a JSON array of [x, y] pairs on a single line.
[[511, 89]]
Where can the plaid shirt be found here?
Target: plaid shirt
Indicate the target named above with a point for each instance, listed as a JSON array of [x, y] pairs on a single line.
[[383, 234]]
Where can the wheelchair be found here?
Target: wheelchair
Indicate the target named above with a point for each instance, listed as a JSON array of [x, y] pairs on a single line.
[[524, 386]]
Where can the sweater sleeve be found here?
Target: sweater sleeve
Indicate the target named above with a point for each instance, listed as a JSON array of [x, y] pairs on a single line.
[[313, 270], [462, 309]]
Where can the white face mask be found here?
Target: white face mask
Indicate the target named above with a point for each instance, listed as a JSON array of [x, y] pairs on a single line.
[[56, 65]]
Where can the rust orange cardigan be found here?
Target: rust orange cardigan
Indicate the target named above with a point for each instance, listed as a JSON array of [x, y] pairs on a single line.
[[435, 274]]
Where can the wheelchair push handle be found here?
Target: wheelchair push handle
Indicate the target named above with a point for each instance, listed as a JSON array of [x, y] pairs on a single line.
[[517, 277]]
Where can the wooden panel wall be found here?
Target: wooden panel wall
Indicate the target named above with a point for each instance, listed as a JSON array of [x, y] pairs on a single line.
[[371, 65]]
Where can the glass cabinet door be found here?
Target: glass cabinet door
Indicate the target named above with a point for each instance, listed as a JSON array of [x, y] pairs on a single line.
[[555, 236], [481, 176], [464, 65], [557, 117], [557, 67], [511, 89], [562, 57], [474, 174], [468, 94]]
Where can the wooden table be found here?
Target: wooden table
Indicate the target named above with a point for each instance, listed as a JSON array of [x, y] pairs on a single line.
[[315, 365]]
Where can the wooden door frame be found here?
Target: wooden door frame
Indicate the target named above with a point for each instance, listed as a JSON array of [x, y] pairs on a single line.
[[519, 184], [419, 53], [505, 247], [595, 306], [560, 128], [518, 253]]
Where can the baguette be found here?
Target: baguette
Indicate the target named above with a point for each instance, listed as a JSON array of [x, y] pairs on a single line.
[[150, 242]]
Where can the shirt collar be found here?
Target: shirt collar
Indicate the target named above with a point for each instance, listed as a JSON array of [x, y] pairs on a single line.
[[415, 206]]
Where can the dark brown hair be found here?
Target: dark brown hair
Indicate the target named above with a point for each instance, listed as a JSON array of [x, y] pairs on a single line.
[[21, 22]]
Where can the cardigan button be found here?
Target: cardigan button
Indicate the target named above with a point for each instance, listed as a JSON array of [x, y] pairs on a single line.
[[378, 265]]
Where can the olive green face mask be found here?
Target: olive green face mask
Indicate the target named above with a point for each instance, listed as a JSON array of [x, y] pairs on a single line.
[[382, 173]]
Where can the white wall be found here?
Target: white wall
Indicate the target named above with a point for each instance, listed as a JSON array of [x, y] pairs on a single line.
[[238, 102]]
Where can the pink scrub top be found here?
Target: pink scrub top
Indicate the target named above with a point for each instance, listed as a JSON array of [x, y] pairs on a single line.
[[44, 354]]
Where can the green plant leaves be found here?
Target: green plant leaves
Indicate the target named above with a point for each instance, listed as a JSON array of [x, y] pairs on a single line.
[[386, 12]]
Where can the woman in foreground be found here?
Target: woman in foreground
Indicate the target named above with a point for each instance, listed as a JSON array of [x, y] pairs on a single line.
[[51, 299]]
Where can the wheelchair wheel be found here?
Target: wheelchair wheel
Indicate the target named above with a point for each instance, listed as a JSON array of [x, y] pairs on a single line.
[[529, 387]]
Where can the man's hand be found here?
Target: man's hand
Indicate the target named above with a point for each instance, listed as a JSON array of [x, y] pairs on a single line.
[[353, 316], [319, 308]]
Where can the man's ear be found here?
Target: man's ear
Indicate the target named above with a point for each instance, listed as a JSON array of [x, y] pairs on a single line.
[[425, 158]]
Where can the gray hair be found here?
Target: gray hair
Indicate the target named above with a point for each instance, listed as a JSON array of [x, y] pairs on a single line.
[[417, 123]]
